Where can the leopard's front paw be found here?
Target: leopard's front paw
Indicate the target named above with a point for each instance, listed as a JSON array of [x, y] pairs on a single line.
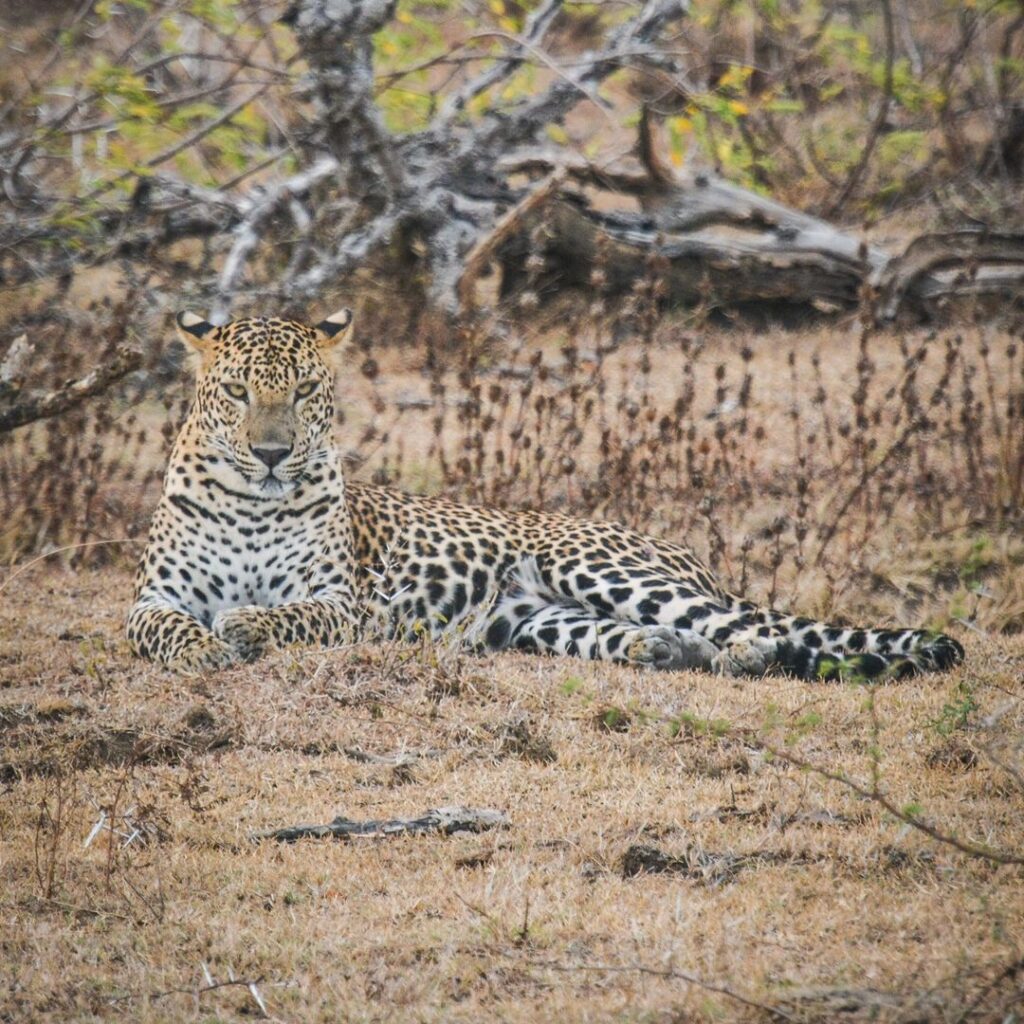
[[205, 655], [246, 630]]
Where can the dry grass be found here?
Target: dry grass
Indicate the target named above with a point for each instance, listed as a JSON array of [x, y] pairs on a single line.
[[787, 889], [661, 864]]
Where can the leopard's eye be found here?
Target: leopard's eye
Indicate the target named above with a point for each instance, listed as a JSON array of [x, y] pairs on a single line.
[[306, 388], [236, 391]]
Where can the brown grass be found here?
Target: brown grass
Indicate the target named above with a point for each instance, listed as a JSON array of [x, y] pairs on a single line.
[[661, 863], [771, 882]]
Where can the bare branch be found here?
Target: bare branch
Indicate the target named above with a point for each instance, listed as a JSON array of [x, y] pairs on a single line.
[[20, 409], [259, 210], [857, 171], [524, 123], [349, 253], [534, 31], [481, 254]]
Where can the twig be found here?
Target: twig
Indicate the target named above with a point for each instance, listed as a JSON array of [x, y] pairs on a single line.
[[497, 925], [152, 997], [874, 794], [664, 972], [525, 122], [857, 171], [552, 65], [59, 551], [534, 31], [193, 137], [350, 251]]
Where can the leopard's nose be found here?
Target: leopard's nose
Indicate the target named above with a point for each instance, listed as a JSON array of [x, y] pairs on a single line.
[[271, 455]]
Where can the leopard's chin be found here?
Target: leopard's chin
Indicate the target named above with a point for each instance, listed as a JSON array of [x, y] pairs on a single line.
[[274, 487]]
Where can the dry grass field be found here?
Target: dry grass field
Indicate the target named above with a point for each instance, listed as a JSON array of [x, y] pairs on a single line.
[[679, 847]]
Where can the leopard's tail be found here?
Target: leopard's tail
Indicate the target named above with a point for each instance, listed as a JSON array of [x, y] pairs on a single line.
[[815, 650]]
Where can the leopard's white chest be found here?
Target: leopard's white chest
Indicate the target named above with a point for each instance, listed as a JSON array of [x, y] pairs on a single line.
[[238, 553]]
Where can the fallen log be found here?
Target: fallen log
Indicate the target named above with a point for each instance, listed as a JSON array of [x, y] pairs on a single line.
[[718, 243], [721, 267]]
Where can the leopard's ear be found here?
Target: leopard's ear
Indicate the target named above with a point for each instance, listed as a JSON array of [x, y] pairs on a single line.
[[197, 333], [336, 330]]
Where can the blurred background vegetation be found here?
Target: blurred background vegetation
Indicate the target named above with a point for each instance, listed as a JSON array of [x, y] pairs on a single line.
[[141, 133]]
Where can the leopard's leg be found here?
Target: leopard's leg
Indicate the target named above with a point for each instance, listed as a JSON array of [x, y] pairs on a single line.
[[641, 592], [252, 630], [180, 641], [165, 634], [751, 640], [530, 623]]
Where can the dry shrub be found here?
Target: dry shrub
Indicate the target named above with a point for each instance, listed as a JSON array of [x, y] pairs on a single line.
[[844, 470], [91, 474], [836, 469]]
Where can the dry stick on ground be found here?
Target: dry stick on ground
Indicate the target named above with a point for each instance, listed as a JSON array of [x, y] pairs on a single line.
[[152, 997], [443, 820], [875, 794], [692, 979], [18, 408], [664, 972]]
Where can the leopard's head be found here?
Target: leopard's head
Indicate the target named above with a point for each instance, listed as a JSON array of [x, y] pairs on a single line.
[[265, 394]]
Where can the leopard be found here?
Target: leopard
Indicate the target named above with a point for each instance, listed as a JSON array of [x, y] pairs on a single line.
[[259, 542]]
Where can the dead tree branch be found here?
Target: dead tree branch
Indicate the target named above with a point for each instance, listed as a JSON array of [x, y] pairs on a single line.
[[481, 254], [18, 408], [443, 201], [443, 820]]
